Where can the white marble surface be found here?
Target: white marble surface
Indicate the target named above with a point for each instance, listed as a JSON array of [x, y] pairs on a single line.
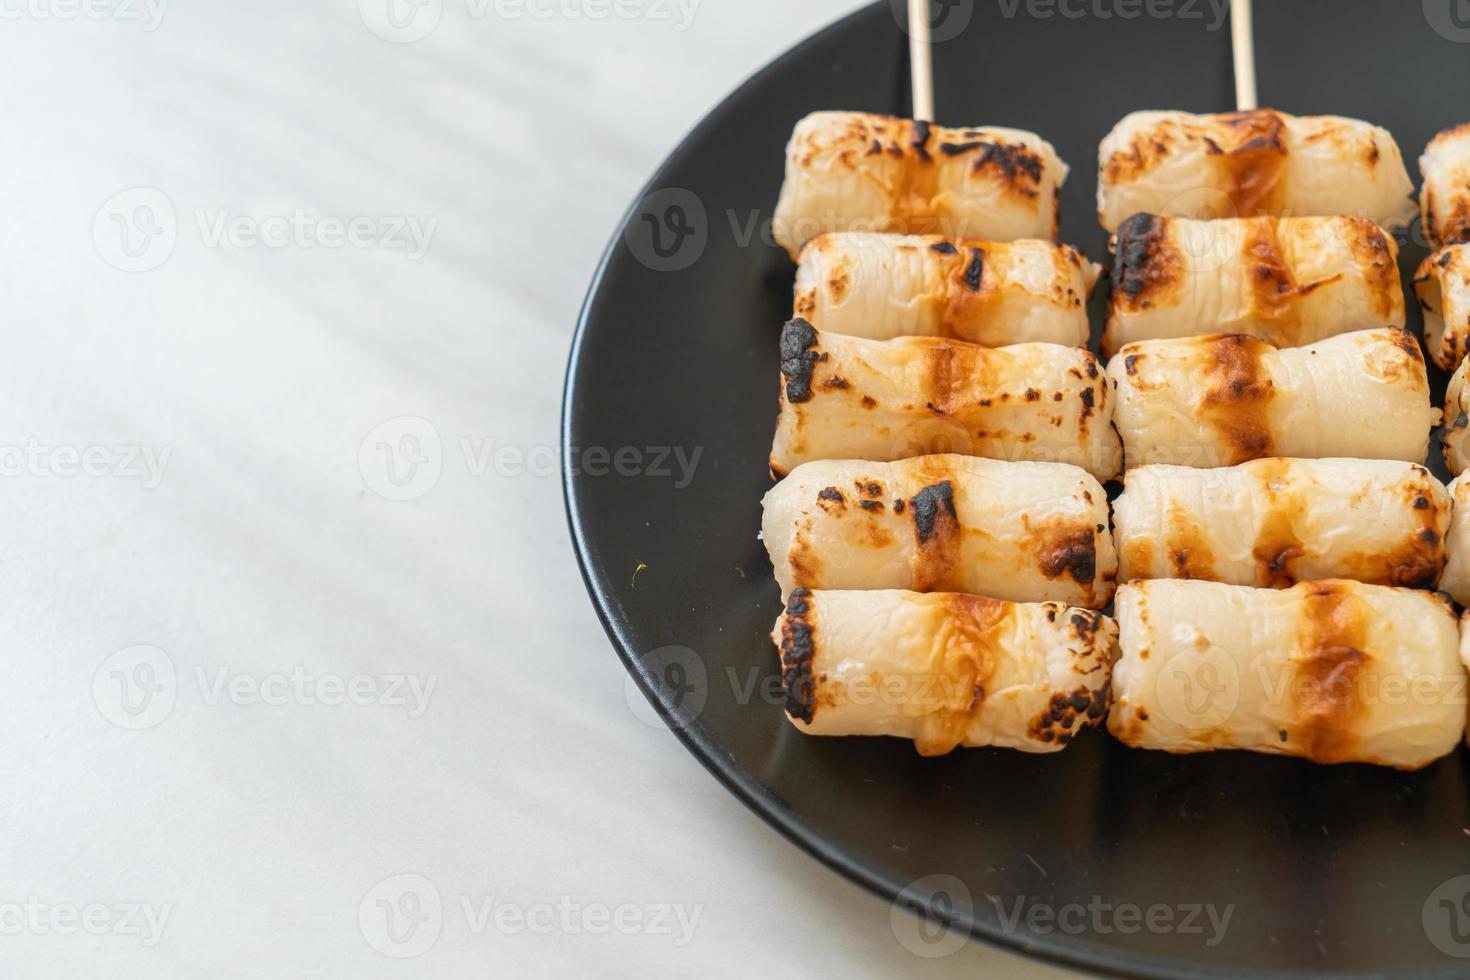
[[215, 617]]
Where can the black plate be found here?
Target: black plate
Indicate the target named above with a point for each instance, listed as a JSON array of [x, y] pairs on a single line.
[[1329, 869]]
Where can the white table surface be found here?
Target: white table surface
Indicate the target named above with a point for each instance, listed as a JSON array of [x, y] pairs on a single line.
[[214, 611]]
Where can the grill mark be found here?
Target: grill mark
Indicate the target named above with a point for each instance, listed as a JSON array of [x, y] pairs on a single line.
[[936, 538], [798, 359], [1237, 396], [798, 648], [1328, 672]]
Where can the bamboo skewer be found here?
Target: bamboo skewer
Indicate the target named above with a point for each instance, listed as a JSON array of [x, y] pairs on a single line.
[[1243, 48], [920, 64]]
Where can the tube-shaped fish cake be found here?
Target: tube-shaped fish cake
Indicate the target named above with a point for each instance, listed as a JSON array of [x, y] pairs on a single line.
[[1456, 577], [1026, 532], [1228, 398], [1442, 284], [1332, 671], [943, 668], [1243, 164], [856, 171], [850, 398], [1289, 281], [991, 293], [1275, 522], [1444, 201], [1456, 420]]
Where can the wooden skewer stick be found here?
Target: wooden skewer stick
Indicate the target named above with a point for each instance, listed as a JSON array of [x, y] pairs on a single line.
[[1243, 46], [920, 66]]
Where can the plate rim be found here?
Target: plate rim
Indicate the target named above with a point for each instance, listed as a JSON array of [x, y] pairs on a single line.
[[1053, 948]]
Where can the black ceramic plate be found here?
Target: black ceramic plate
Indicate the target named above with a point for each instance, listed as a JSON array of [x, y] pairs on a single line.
[[1329, 869]]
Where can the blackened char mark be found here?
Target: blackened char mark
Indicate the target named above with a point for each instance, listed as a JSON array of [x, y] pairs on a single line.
[[1138, 240], [797, 358], [930, 505], [975, 271], [921, 139], [797, 650], [1011, 160]]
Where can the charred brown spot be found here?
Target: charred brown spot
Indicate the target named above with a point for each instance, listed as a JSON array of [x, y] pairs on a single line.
[[870, 488], [871, 505], [1013, 162], [798, 648], [933, 507], [1328, 670], [831, 500], [1407, 343], [922, 131], [937, 536], [798, 337], [943, 248], [1130, 363], [837, 383], [869, 401], [1032, 395], [1186, 544], [1064, 710], [1237, 396], [955, 149], [1145, 265], [1064, 549], [975, 271]]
